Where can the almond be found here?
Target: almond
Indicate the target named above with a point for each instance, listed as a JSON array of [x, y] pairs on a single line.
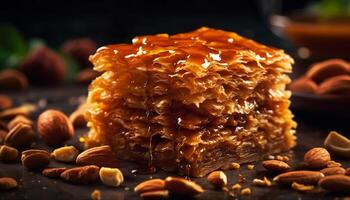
[[5, 102], [35, 159], [102, 156], [317, 157], [327, 69], [20, 119], [13, 80], [24, 109], [337, 144], [7, 183], [181, 186], [217, 178], [53, 172], [303, 177], [275, 165], [336, 183], [81, 175], [112, 177], [155, 195], [65, 154], [332, 171], [86, 76], [339, 85], [21, 136], [55, 127], [8, 154], [303, 85], [150, 185]]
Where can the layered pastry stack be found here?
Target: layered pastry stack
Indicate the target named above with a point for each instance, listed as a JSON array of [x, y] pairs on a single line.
[[191, 102]]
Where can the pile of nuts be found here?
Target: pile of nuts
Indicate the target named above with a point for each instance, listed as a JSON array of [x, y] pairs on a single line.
[[330, 77]]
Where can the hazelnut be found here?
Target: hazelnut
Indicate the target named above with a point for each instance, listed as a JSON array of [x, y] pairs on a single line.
[[54, 127], [80, 49], [13, 80], [78, 119]]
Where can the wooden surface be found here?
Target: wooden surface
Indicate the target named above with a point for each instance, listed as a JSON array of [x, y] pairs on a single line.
[[311, 132]]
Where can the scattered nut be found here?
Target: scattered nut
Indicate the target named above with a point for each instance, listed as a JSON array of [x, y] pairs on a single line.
[[236, 188], [8, 154], [234, 165], [304, 85], [327, 69], [81, 175], [24, 109], [20, 119], [65, 154], [96, 195], [13, 80], [150, 185], [77, 119], [339, 85], [246, 192], [317, 157], [182, 186], [336, 183], [5, 102], [35, 159], [275, 165], [332, 171], [337, 144], [111, 176], [332, 163], [21, 136], [7, 183], [102, 156], [303, 177], [302, 187], [250, 167], [55, 127], [53, 172], [217, 178], [263, 183]]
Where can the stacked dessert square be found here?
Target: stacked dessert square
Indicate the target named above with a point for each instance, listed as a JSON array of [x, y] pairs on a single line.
[[191, 102]]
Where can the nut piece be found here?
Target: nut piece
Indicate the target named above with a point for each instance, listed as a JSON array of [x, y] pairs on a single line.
[[7, 183], [302, 187], [303, 85], [246, 192], [217, 178], [13, 80], [336, 183], [5, 102], [24, 109], [77, 119], [55, 127], [317, 157], [65, 154], [35, 159], [303, 177], [8, 154], [53, 172], [96, 195], [337, 144], [326, 69], [332, 163], [155, 195], [20, 119], [21, 136], [234, 166], [339, 85], [275, 165], [150, 185], [81, 175], [332, 171], [262, 183], [102, 156], [111, 176], [181, 186]]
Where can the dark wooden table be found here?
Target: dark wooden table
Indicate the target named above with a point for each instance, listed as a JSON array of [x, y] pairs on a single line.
[[311, 131]]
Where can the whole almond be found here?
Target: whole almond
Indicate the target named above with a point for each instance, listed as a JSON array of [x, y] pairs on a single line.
[[65, 154], [336, 183], [21, 136], [35, 159], [150, 185], [275, 165], [55, 127], [332, 171], [217, 178], [81, 175], [5, 102], [303, 177], [102, 156], [337, 144], [53, 172], [155, 195], [112, 177], [13, 80], [317, 157], [25, 109], [303, 85], [20, 119], [7, 183], [339, 85], [181, 186], [327, 69], [8, 154]]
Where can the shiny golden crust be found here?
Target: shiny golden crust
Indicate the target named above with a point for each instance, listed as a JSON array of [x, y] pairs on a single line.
[[180, 101]]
